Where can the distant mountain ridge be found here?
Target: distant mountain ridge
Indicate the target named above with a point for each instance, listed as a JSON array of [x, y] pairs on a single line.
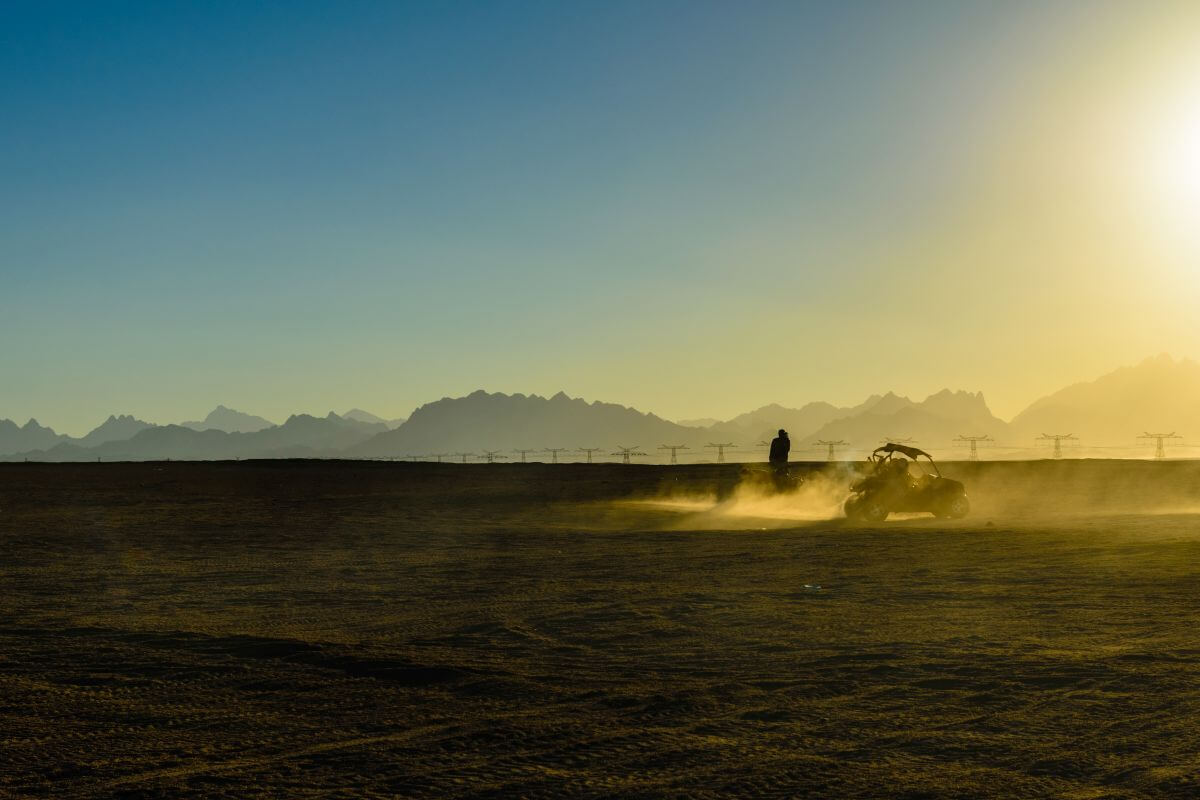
[[507, 422], [1158, 393], [302, 436], [30, 436], [359, 415], [933, 422], [230, 421], [114, 429]]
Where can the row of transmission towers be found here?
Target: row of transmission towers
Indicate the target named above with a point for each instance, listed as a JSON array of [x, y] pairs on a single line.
[[1056, 440]]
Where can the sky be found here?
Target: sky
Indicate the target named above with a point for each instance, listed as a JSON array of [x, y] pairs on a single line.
[[694, 208]]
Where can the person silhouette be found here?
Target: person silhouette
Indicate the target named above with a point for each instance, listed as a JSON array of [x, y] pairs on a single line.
[[781, 445]]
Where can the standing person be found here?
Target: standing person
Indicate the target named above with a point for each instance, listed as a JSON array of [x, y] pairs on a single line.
[[781, 445]]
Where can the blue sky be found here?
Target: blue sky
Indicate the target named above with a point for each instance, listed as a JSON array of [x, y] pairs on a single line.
[[303, 206]]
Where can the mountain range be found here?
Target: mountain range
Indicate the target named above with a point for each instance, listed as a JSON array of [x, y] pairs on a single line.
[[1111, 410]]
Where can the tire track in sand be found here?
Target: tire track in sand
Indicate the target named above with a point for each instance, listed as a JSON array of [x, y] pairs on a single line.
[[235, 764]]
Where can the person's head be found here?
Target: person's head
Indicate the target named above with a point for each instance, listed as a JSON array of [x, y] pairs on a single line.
[[783, 433]]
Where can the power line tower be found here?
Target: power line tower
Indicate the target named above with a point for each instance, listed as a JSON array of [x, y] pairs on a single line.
[[1160, 440], [523, 452], [439, 456], [1058, 439], [554, 451], [720, 450], [463, 456], [832, 456], [492, 455], [589, 451], [626, 452], [674, 448], [973, 441]]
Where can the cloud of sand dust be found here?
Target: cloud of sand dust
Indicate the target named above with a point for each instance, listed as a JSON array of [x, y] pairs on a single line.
[[1074, 487], [754, 503], [1000, 491]]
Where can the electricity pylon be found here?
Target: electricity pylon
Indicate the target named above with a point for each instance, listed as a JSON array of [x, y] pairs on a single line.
[[589, 451], [674, 448], [492, 455], [974, 440], [832, 447], [439, 456], [1160, 438], [626, 452], [720, 450], [463, 456], [554, 451], [523, 452], [1058, 439]]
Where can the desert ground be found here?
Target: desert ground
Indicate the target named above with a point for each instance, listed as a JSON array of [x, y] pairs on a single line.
[[378, 630]]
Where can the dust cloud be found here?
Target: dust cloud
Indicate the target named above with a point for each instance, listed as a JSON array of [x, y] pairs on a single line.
[[1001, 491], [754, 503]]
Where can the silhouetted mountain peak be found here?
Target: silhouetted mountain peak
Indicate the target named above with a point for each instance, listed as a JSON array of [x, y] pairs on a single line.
[[1160, 392], [223, 418], [115, 428], [505, 421], [358, 415]]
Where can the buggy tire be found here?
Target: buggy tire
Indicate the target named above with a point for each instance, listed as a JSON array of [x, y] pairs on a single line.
[[955, 507], [866, 509]]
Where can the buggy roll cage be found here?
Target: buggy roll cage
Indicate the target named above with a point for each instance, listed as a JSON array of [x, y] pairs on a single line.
[[882, 454]]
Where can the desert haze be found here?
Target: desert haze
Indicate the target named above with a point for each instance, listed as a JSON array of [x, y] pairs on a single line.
[[1106, 416]]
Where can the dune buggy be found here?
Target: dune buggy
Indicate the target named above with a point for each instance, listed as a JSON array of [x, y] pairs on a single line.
[[893, 483]]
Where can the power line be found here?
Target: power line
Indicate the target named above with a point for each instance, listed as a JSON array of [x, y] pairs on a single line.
[[554, 451], [720, 450], [626, 452], [523, 452], [974, 440], [492, 456], [1160, 439], [832, 445], [1058, 439], [589, 451], [674, 448]]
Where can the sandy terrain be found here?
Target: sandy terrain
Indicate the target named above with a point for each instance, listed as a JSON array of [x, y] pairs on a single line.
[[324, 629]]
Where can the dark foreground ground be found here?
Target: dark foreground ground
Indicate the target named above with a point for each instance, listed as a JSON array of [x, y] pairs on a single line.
[[352, 630]]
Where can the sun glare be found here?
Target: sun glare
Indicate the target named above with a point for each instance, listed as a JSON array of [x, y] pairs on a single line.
[[1182, 144], [1176, 168]]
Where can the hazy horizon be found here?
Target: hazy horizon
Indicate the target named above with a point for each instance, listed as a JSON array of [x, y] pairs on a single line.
[[279, 419], [693, 209]]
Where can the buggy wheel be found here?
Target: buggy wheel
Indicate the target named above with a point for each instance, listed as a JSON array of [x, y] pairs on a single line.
[[851, 507], [870, 509], [956, 507]]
